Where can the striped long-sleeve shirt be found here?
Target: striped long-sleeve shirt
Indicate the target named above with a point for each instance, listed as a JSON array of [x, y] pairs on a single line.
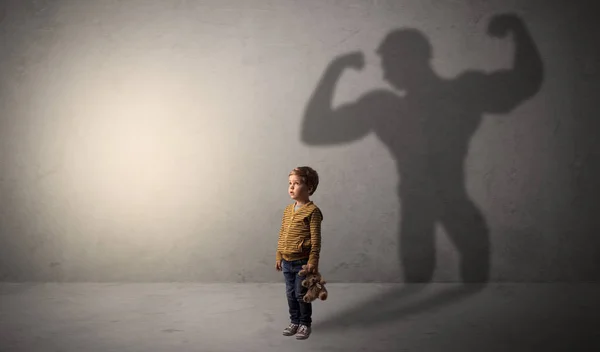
[[300, 234]]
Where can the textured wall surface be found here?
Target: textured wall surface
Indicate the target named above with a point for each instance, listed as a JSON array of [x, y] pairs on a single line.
[[151, 140]]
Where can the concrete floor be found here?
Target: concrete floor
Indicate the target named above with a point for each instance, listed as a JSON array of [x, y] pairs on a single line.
[[250, 317]]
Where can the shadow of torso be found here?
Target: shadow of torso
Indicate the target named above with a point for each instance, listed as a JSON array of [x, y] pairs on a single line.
[[428, 135], [428, 132]]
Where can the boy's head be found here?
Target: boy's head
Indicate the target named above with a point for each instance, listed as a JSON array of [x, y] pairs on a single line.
[[303, 182]]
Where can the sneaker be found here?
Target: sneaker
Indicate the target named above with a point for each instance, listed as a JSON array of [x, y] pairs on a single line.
[[290, 330], [303, 332]]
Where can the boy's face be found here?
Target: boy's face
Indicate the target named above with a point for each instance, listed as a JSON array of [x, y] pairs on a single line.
[[297, 188]]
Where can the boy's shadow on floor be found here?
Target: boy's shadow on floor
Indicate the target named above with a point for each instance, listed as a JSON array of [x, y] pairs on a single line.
[[392, 306], [427, 130]]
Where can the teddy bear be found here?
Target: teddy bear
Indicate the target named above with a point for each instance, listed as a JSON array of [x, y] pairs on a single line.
[[315, 284]]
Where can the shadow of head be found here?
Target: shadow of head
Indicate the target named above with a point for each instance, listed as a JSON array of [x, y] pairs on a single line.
[[405, 57]]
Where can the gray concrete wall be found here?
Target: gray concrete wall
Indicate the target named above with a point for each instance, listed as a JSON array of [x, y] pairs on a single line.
[[151, 140]]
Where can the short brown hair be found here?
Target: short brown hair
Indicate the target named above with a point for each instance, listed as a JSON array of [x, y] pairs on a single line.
[[309, 176]]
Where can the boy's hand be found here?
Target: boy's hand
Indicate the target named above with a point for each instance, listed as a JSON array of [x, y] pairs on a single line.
[[311, 268], [278, 265]]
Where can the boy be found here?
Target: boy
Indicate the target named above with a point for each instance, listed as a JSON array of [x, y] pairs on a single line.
[[299, 244]]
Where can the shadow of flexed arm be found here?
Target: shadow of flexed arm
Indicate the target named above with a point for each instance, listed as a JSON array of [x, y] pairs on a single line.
[[324, 125], [503, 90]]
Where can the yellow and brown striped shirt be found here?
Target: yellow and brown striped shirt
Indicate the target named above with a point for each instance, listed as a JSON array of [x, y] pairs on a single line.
[[300, 234]]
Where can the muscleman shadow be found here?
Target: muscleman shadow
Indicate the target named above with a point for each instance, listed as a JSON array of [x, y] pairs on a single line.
[[427, 128]]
